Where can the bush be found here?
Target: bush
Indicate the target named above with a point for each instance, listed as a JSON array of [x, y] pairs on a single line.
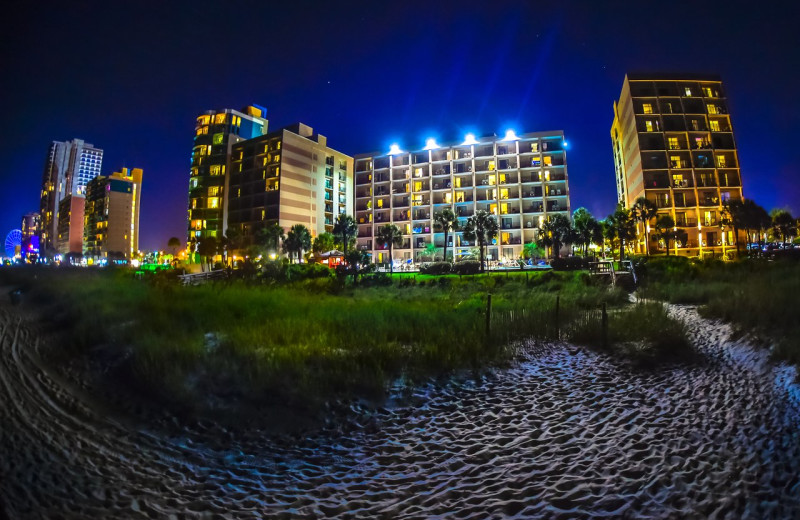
[[297, 272], [436, 268], [467, 267], [570, 263]]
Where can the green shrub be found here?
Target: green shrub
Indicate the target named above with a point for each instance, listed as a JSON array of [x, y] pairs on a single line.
[[467, 267], [436, 268]]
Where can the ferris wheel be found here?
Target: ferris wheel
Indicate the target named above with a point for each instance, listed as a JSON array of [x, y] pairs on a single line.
[[13, 241]]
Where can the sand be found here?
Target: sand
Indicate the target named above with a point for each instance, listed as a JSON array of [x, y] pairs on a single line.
[[565, 433]]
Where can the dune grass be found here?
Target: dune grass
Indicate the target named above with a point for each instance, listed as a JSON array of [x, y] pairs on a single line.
[[757, 296], [305, 339]]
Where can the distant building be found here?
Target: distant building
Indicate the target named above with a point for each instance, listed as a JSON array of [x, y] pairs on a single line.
[[70, 224], [215, 132], [673, 144], [522, 180], [30, 238], [111, 221], [288, 177], [68, 169]]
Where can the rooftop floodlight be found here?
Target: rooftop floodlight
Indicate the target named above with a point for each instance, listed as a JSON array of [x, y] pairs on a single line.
[[430, 144], [469, 139], [510, 136], [395, 149], [566, 144]]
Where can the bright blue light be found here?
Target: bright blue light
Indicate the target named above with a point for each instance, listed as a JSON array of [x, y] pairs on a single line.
[[510, 136], [469, 139], [566, 144], [430, 144], [395, 149]]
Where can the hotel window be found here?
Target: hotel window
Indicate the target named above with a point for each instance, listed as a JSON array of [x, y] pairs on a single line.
[[219, 119], [708, 92], [448, 197], [213, 202], [417, 186], [213, 191], [380, 203], [216, 169], [712, 109], [417, 172], [194, 203], [491, 166], [688, 91], [714, 125], [548, 161], [647, 108], [648, 125], [673, 143], [460, 196], [721, 161]]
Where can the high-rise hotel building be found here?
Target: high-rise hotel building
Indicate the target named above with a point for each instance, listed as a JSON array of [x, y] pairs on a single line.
[[111, 221], [288, 177], [521, 179], [673, 144], [68, 169], [215, 133]]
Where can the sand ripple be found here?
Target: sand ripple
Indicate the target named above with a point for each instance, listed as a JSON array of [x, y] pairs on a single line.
[[566, 433]]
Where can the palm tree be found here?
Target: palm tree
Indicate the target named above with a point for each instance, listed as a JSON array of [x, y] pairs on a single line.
[[297, 239], [584, 224], [446, 221], [555, 232], [733, 215], [390, 235], [232, 241], [664, 226], [269, 237], [783, 223], [623, 227], [207, 248], [174, 243], [481, 227], [345, 228], [643, 211]]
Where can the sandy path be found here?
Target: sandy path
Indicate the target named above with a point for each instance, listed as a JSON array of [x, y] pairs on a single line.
[[567, 433]]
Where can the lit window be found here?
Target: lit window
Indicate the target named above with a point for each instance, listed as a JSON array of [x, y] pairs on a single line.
[[219, 119], [548, 161], [688, 92], [673, 143], [213, 202], [721, 161], [708, 92], [648, 125], [712, 109], [714, 125], [417, 186], [276, 158], [380, 203], [194, 203], [647, 108], [215, 169]]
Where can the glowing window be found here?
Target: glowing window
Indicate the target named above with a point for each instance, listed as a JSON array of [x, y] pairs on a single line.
[[673, 143], [548, 161], [648, 125], [380, 203], [216, 169], [417, 186], [714, 125], [213, 191], [219, 119], [712, 109], [213, 202], [647, 108], [194, 203], [448, 197], [721, 161], [688, 91], [417, 172], [276, 158]]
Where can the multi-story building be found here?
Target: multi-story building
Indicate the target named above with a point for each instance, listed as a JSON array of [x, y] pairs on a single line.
[[68, 169], [291, 177], [30, 238], [673, 144], [522, 180], [70, 224], [111, 222], [215, 132]]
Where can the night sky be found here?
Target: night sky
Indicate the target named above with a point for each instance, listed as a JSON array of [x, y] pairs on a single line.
[[131, 78]]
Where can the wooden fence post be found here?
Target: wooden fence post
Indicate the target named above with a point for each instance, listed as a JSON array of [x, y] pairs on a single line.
[[488, 314], [558, 326], [604, 331]]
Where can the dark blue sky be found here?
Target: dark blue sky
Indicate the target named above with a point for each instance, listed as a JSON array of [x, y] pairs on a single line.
[[131, 78]]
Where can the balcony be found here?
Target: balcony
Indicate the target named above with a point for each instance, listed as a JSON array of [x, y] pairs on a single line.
[[508, 178], [422, 215], [462, 168], [401, 174], [401, 216], [682, 183], [533, 208], [531, 177], [532, 192], [401, 202], [442, 185], [686, 222], [462, 211], [381, 177]]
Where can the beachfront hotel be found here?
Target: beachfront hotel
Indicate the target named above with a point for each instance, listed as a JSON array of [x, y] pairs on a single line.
[[215, 133], [673, 144], [111, 217], [290, 176], [68, 168], [521, 179]]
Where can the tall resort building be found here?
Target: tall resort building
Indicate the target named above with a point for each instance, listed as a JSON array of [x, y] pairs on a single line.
[[521, 179], [68, 169], [673, 144], [288, 177], [30, 238], [111, 221], [70, 225], [215, 133]]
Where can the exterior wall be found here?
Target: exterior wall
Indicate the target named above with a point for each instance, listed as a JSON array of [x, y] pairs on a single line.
[[290, 177], [521, 180], [673, 144], [70, 224], [215, 132], [69, 167]]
